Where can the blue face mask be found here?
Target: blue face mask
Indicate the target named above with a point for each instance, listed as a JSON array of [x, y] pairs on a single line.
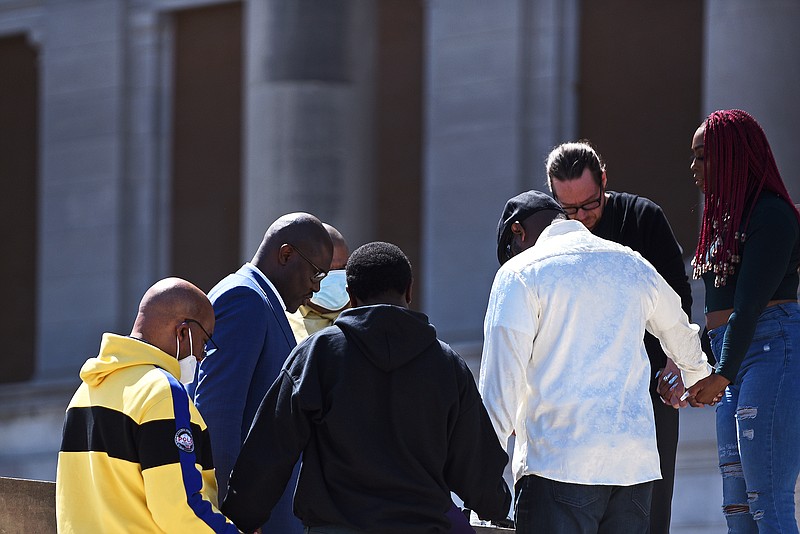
[[332, 294]]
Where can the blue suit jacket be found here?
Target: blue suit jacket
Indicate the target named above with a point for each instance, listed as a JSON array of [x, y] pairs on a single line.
[[254, 339]]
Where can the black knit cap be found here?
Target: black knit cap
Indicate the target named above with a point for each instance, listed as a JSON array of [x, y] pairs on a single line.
[[520, 208]]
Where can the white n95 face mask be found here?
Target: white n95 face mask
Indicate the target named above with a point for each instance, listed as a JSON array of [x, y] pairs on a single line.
[[332, 294], [188, 368], [188, 364]]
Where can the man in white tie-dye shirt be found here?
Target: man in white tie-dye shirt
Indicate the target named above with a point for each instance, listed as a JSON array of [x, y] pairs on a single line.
[[564, 368]]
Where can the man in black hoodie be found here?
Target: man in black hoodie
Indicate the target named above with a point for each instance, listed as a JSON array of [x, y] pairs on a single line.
[[387, 417]]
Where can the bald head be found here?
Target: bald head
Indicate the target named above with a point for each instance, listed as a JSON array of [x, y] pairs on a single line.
[[340, 249], [295, 248], [164, 310]]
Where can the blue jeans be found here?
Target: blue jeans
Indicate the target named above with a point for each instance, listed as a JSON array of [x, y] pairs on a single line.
[[545, 505], [758, 426]]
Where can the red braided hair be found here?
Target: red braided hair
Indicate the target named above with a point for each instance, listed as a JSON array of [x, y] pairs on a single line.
[[738, 164]]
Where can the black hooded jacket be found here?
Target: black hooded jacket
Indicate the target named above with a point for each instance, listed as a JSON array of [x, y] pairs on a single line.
[[388, 419]]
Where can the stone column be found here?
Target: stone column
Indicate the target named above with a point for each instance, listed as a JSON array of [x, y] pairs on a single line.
[[145, 185], [500, 82], [81, 173], [752, 62], [308, 98]]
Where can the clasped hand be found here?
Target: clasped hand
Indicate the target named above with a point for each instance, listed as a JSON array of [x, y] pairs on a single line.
[[672, 391]]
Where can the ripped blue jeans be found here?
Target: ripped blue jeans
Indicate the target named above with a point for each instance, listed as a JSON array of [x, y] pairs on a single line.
[[758, 427]]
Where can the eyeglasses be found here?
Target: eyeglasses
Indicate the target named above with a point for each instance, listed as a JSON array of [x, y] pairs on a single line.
[[320, 274], [589, 206], [210, 341]]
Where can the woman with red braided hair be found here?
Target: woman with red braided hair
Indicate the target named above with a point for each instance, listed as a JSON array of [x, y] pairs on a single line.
[[748, 255]]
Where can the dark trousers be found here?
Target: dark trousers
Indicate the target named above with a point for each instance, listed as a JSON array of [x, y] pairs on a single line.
[[666, 418], [458, 521], [553, 507], [331, 529]]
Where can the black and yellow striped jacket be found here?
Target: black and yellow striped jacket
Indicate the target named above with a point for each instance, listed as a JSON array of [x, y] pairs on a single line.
[[135, 454]]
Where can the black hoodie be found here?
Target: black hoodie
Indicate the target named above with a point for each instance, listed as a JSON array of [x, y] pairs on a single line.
[[388, 419]]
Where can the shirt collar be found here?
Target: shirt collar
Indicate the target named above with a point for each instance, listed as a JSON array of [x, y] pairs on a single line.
[[271, 286], [561, 227]]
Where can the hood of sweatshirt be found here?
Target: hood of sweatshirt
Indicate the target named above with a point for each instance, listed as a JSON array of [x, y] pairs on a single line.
[[122, 352], [389, 336]]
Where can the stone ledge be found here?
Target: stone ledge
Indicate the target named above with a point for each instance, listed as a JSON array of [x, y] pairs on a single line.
[[27, 506]]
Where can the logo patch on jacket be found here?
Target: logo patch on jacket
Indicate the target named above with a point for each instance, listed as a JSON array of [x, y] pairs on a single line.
[[184, 440]]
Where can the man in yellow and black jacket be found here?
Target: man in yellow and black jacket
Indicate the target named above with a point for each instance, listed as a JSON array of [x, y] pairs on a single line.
[[136, 454]]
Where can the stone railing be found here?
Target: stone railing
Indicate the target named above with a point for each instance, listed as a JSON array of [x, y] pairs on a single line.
[[27, 506]]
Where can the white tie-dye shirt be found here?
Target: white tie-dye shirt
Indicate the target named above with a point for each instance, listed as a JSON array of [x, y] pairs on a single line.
[[564, 363]]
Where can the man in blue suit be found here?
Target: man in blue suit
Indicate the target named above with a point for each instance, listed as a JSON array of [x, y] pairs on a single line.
[[254, 339]]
